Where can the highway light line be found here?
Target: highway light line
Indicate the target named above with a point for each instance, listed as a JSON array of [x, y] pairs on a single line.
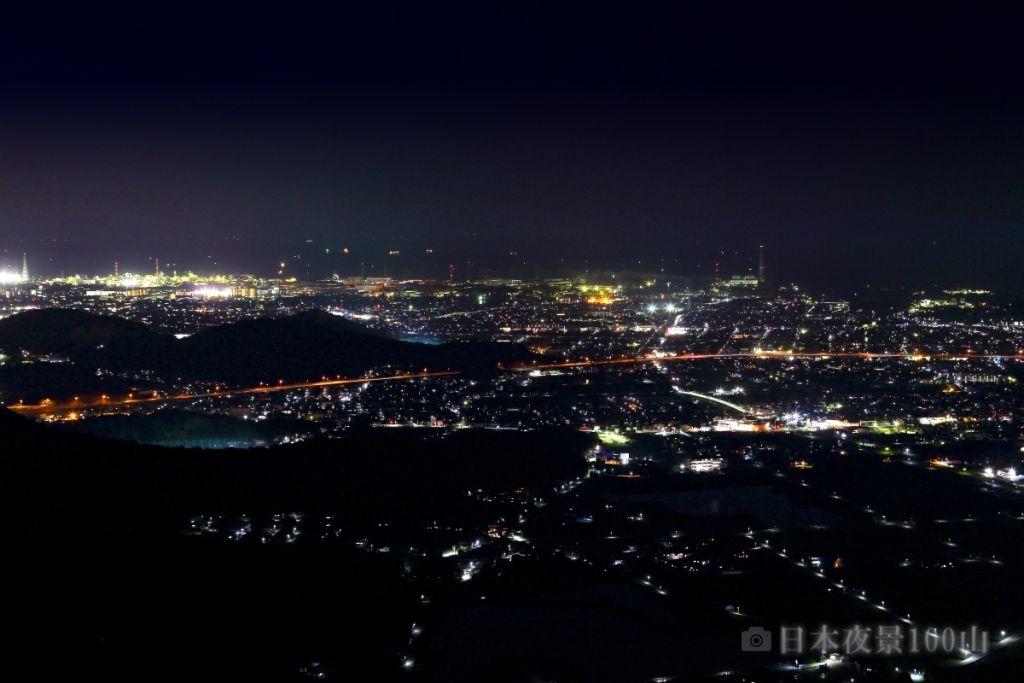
[[712, 398], [47, 406]]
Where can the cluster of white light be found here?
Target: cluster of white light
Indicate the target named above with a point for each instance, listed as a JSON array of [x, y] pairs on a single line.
[[1009, 473], [705, 465], [9, 278], [212, 292], [732, 425], [796, 420], [938, 420], [668, 308]]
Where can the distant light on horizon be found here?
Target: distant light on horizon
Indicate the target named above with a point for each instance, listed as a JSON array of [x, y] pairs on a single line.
[[213, 292], [11, 278]]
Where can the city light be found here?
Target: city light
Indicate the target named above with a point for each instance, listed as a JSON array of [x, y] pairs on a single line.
[[655, 342], [210, 292], [10, 278]]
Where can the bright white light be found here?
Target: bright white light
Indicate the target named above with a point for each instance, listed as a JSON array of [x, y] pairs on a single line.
[[9, 278], [212, 292], [1010, 474], [706, 464]]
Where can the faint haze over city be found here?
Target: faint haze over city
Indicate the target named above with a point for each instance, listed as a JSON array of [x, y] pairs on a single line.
[[602, 137]]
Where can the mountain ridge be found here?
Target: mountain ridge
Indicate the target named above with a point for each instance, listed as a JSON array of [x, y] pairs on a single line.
[[301, 347]]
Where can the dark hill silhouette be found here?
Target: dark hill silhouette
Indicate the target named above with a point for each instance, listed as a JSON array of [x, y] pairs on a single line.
[[303, 346], [300, 347], [78, 335]]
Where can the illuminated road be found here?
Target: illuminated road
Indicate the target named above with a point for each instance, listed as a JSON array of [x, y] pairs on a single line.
[[762, 355], [714, 399], [49, 407]]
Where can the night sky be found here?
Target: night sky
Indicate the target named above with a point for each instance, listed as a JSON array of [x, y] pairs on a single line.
[[858, 144]]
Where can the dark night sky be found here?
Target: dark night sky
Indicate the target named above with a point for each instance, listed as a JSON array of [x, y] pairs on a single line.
[[860, 145]]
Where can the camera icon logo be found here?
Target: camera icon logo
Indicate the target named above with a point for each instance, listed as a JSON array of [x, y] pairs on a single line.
[[756, 639]]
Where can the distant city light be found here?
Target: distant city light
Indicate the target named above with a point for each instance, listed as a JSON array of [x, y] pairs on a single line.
[[10, 278], [212, 292]]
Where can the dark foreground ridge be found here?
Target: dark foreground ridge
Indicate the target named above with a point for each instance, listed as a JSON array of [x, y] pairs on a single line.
[[109, 581], [149, 563]]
